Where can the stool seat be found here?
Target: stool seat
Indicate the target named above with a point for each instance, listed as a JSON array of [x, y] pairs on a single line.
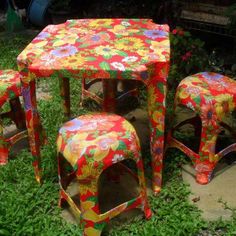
[[10, 86], [207, 91], [90, 144], [212, 97]]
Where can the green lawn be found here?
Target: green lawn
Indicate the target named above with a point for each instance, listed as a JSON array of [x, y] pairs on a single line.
[[27, 208]]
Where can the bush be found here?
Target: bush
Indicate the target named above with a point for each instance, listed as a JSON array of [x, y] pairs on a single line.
[[188, 56]]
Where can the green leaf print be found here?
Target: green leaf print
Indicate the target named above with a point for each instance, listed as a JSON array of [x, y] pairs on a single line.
[[104, 65]]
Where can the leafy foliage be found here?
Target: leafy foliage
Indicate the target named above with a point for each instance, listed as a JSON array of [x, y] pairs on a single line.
[[187, 56]]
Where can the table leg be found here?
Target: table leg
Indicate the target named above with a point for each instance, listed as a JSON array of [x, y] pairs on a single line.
[[156, 110], [109, 95], [64, 84], [33, 125]]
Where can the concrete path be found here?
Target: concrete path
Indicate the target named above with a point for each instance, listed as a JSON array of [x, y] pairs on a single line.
[[210, 198]]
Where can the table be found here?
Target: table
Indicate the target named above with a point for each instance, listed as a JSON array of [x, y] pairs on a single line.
[[135, 49]]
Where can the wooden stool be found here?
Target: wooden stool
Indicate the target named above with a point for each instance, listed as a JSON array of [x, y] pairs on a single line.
[[211, 96], [90, 144], [10, 90]]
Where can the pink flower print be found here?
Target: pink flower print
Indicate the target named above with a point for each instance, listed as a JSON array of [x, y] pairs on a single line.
[[153, 34], [208, 115], [64, 51]]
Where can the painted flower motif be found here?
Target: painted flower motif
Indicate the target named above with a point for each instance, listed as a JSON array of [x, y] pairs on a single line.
[[208, 115], [105, 142], [120, 30], [72, 125], [158, 117], [104, 23], [26, 94], [209, 148], [42, 35], [64, 51], [117, 158], [157, 148], [142, 52], [52, 29], [190, 105], [105, 50], [127, 127], [224, 104], [129, 43], [201, 167], [90, 173], [212, 76], [154, 34], [92, 231], [159, 46], [182, 93], [48, 60], [75, 61], [193, 91], [62, 39], [93, 39], [118, 65], [153, 56], [130, 59], [125, 23]]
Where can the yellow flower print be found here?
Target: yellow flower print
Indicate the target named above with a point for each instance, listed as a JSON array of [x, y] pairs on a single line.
[[88, 178], [127, 126], [74, 61], [59, 143], [159, 46], [182, 93], [209, 147], [224, 104], [96, 23], [129, 43], [87, 204], [92, 231], [158, 117], [105, 50], [122, 30], [74, 149], [142, 52], [38, 44], [119, 29], [63, 39], [151, 99]]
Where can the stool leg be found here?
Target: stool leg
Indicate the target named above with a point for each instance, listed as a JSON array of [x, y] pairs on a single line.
[[207, 160], [92, 223], [17, 113], [143, 189], [109, 93], [4, 147]]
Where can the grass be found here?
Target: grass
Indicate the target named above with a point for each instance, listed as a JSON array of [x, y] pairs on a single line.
[[29, 209]]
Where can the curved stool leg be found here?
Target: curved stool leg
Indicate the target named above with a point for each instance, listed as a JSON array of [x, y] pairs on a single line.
[[143, 191], [4, 147], [207, 160], [89, 218]]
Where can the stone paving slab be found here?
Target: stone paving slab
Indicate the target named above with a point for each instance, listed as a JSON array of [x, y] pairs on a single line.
[[208, 197]]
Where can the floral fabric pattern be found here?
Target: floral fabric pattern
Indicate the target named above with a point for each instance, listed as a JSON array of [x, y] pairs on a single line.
[[212, 96], [91, 143], [135, 49], [10, 86]]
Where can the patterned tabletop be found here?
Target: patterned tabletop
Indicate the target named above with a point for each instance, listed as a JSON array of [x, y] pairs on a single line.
[[98, 48]]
